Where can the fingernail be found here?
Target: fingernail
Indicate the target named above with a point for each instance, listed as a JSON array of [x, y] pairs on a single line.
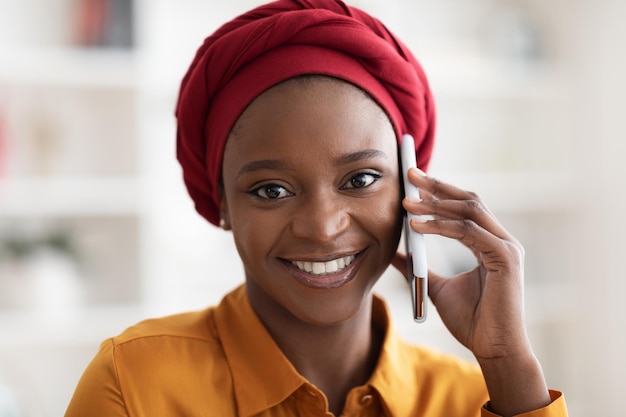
[[418, 219]]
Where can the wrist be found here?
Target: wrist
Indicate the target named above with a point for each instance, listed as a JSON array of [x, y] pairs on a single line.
[[516, 383]]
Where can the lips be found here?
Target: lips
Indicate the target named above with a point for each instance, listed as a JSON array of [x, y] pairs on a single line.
[[325, 274]]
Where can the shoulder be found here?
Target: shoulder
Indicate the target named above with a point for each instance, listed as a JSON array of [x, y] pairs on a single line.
[[162, 346], [152, 358], [178, 356], [168, 344], [172, 365], [191, 326]]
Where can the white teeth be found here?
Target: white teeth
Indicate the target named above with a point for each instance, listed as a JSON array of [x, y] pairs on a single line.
[[331, 266], [323, 268], [319, 268]]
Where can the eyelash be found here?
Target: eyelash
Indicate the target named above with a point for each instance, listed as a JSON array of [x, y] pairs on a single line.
[[349, 185], [265, 187], [373, 177]]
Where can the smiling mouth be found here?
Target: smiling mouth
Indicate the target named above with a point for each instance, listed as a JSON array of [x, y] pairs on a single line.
[[327, 274], [325, 268]]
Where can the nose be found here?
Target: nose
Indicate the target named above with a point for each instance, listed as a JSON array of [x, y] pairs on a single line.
[[321, 218]]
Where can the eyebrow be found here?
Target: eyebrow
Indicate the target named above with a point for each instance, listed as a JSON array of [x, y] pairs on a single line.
[[273, 164], [261, 165], [360, 156]]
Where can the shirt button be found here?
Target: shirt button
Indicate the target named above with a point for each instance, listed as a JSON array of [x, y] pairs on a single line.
[[366, 399]]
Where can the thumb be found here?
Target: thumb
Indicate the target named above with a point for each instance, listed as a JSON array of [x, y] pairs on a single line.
[[435, 283]]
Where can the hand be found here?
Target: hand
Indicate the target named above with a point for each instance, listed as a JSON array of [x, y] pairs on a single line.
[[483, 307]]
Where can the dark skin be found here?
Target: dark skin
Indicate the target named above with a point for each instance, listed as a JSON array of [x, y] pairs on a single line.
[[311, 177], [331, 198], [482, 308]]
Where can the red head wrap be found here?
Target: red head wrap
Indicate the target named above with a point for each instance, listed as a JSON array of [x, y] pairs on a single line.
[[276, 42]]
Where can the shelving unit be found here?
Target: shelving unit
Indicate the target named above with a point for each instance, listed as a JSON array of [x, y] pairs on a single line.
[[65, 66], [70, 197], [71, 201]]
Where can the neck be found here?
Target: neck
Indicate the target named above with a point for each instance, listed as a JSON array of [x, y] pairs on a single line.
[[326, 356], [334, 358]]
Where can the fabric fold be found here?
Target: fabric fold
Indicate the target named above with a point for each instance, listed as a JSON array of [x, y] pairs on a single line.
[[278, 41]]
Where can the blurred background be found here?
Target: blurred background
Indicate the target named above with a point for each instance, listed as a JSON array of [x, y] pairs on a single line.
[[97, 232]]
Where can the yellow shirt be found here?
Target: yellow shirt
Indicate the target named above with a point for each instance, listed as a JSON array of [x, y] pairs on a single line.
[[221, 362]]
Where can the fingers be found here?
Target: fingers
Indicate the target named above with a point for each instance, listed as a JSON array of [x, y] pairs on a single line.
[[443, 200], [438, 189], [461, 215], [434, 189], [496, 254], [463, 210]]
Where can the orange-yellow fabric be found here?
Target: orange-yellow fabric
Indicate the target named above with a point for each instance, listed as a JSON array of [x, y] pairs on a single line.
[[222, 362]]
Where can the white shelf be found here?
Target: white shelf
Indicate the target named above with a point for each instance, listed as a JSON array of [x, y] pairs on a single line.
[[68, 67], [69, 197]]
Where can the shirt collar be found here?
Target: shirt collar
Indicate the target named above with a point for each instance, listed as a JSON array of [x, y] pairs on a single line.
[[394, 372], [263, 377]]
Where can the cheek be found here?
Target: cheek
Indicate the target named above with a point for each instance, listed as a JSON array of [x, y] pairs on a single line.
[[252, 234], [385, 219], [256, 235]]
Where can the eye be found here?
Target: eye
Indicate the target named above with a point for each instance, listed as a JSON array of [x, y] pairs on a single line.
[[361, 180], [271, 192]]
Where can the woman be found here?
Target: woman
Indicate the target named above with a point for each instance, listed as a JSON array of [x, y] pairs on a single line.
[[289, 120]]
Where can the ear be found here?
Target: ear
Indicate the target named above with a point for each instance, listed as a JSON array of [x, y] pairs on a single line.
[[224, 216]]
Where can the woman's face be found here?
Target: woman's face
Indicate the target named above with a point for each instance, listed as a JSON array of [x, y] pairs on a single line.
[[312, 194]]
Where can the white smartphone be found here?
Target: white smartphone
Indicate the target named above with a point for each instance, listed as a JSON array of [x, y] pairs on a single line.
[[414, 242]]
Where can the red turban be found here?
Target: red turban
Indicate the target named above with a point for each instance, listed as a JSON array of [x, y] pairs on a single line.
[[280, 40]]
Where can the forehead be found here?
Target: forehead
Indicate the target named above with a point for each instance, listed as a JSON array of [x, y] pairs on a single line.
[[311, 111]]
